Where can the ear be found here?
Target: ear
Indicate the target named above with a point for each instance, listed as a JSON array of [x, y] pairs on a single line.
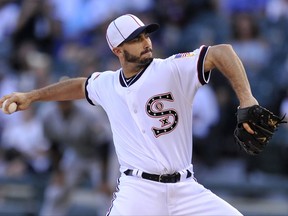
[[117, 51]]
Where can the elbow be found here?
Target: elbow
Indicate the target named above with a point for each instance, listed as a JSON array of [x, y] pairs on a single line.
[[226, 47], [222, 50]]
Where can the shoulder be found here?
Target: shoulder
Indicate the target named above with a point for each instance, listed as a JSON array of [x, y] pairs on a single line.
[[107, 73], [103, 75], [187, 56], [172, 59]]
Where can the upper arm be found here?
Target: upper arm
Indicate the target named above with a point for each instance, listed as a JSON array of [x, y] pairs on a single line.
[[214, 55]]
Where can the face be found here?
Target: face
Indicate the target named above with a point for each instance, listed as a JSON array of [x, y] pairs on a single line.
[[138, 50]]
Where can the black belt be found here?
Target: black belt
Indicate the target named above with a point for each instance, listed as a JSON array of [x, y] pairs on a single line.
[[165, 178]]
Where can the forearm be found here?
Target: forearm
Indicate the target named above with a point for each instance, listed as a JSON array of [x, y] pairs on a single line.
[[70, 89], [228, 63]]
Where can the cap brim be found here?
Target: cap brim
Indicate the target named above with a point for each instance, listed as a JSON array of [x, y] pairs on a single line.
[[147, 28]]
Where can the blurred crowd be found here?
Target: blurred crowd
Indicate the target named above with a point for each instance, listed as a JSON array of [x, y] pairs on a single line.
[[44, 41]]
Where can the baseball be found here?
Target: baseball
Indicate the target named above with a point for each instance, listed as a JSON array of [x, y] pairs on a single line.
[[11, 109]]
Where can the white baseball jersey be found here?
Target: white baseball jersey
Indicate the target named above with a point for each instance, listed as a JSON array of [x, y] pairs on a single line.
[[151, 118]]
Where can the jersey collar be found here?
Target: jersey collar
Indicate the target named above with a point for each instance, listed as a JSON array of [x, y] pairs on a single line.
[[128, 83]]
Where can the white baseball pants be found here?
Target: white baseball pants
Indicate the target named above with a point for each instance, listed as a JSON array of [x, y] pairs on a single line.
[[137, 196]]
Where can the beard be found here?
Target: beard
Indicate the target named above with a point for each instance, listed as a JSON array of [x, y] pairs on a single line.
[[135, 59]]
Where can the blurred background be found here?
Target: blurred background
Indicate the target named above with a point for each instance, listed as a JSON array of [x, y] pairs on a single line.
[[57, 158]]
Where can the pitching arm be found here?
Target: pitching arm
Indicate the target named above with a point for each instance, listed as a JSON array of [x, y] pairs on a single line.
[[70, 89]]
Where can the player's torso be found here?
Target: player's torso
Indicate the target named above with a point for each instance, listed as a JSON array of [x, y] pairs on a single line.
[[151, 120]]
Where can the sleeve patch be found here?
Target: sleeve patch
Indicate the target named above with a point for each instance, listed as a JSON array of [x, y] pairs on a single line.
[[185, 55]]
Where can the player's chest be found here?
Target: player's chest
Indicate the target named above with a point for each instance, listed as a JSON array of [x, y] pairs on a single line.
[[147, 98], [146, 91]]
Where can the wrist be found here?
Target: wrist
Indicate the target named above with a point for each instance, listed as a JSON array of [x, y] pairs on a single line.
[[247, 102]]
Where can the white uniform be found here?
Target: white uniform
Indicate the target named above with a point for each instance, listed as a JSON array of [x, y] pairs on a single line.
[[151, 121]]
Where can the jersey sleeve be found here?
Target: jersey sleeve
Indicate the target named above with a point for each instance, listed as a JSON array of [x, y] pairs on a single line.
[[190, 62], [189, 70], [91, 86], [203, 76]]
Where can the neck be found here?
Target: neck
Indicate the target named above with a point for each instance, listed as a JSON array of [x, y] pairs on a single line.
[[132, 70]]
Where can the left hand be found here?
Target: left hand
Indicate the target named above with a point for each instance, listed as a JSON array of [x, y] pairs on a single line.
[[247, 103]]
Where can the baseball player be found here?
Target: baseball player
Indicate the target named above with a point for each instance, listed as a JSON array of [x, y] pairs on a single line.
[[148, 102]]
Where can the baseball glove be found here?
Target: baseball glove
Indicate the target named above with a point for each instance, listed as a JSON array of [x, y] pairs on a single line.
[[264, 124]]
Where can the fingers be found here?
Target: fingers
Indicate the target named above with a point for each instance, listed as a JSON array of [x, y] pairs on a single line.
[[5, 104], [2, 100], [247, 128], [18, 98], [5, 101], [9, 108]]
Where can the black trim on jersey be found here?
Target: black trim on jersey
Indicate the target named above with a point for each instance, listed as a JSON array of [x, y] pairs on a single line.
[[86, 92], [122, 82], [134, 78], [200, 64]]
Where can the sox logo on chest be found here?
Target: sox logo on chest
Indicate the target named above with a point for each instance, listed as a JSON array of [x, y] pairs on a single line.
[[168, 118]]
